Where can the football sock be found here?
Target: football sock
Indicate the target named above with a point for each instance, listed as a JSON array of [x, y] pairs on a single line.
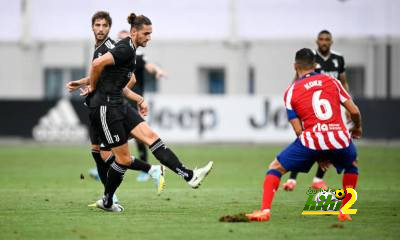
[[320, 173], [136, 165], [139, 165], [142, 151], [109, 160], [349, 181], [169, 159], [102, 168], [114, 178], [293, 175], [271, 184]]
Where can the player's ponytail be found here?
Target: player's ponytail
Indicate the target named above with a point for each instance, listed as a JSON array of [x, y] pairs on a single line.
[[131, 18], [138, 21]]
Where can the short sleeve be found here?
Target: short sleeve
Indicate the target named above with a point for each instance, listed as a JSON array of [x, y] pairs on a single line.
[[343, 94], [291, 113], [122, 53], [342, 67]]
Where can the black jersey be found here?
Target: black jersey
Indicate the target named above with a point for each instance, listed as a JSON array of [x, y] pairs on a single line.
[[100, 50], [139, 73], [114, 78], [333, 65]]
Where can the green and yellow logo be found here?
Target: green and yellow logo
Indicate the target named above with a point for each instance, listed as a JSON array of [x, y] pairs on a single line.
[[329, 201]]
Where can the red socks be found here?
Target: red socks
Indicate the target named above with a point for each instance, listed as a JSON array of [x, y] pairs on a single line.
[[271, 184], [349, 181]]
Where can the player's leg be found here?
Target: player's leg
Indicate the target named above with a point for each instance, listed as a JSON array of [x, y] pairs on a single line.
[[167, 157], [291, 183], [295, 157], [142, 149], [155, 172], [318, 181], [115, 176], [346, 159]]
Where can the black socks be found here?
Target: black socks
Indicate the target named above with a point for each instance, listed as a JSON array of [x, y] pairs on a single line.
[[142, 149], [114, 178], [169, 159], [139, 165], [102, 167], [293, 175], [320, 173]]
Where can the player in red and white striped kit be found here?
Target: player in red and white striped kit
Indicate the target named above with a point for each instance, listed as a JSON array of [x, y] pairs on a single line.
[[313, 106]]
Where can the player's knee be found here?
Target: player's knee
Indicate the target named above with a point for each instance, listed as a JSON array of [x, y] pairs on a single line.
[[276, 165], [123, 158], [353, 168], [105, 154], [95, 148], [151, 137]]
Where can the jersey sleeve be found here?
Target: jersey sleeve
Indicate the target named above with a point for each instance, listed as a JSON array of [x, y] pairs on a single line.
[[122, 53], [343, 94], [291, 113], [342, 67]]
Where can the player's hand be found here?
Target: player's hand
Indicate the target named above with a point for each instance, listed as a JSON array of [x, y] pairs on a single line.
[[324, 165], [160, 74], [85, 91], [356, 132], [72, 86], [143, 108]]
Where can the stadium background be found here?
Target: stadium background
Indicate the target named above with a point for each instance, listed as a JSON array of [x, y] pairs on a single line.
[[228, 64]]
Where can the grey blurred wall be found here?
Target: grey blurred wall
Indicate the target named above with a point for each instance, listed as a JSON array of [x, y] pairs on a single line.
[[22, 66]]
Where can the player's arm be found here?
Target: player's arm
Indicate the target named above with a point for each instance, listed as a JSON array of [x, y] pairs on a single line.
[[73, 85], [154, 69], [355, 115], [342, 73], [132, 81], [296, 125], [343, 80], [97, 67], [128, 93]]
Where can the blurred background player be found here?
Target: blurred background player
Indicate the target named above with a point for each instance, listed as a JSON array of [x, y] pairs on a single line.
[[313, 106], [101, 25], [142, 66], [330, 63]]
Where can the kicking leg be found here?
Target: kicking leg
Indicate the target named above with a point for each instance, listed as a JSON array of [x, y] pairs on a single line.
[[167, 157]]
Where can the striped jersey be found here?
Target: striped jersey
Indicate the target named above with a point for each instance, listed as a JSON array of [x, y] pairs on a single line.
[[315, 99]]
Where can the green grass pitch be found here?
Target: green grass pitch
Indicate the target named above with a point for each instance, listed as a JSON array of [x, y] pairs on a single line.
[[43, 197]]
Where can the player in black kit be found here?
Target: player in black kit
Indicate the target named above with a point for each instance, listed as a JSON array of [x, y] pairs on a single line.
[[101, 24], [142, 67], [330, 63], [111, 77]]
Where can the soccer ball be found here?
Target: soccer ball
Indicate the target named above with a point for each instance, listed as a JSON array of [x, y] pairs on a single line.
[[325, 194], [340, 194]]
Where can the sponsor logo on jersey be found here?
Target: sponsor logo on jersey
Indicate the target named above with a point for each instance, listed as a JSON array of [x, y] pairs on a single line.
[[60, 124]]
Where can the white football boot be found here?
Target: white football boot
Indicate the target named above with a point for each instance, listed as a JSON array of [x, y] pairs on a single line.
[[157, 173], [199, 174]]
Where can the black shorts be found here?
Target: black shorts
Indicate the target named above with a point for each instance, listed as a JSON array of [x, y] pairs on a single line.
[[94, 135], [114, 123]]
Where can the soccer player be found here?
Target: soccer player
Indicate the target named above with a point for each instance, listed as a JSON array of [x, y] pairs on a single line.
[[313, 106], [331, 63], [142, 66], [101, 25], [111, 77]]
